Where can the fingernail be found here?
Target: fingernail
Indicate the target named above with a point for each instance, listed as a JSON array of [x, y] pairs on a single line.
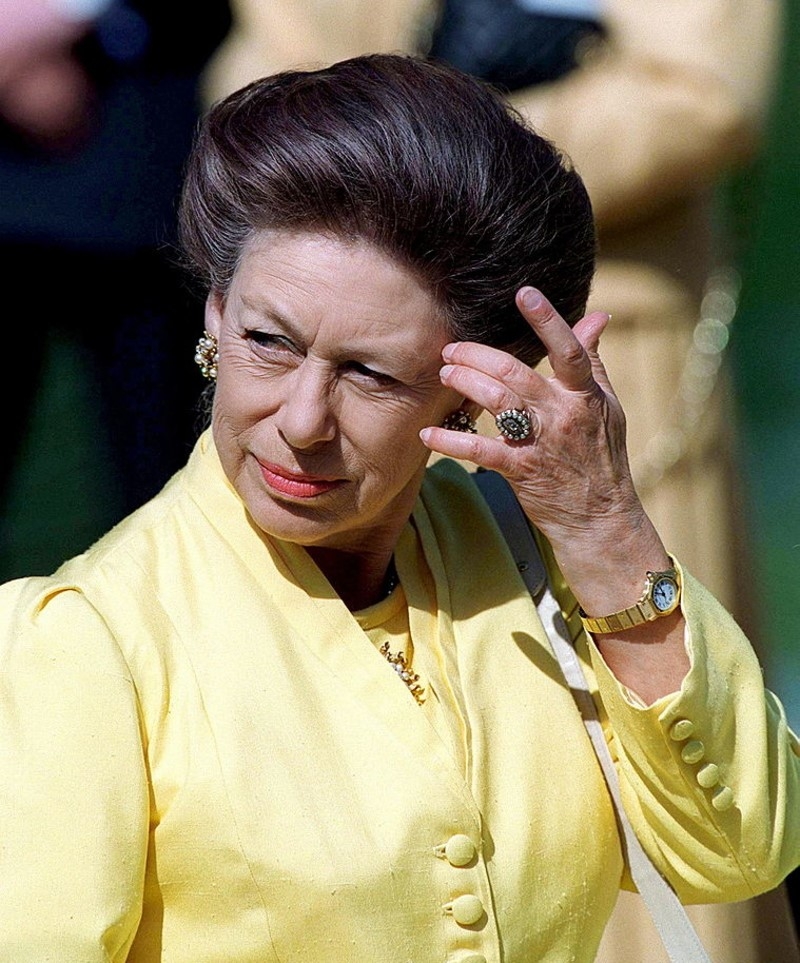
[[531, 298], [447, 351], [425, 435], [445, 371]]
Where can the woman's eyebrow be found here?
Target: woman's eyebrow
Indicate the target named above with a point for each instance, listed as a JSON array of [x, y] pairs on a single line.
[[405, 369], [263, 309]]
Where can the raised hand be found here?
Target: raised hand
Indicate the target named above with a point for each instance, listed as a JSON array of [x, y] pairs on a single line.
[[571, 473]]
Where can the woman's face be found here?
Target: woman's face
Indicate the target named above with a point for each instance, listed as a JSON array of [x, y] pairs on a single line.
[[329, 358]]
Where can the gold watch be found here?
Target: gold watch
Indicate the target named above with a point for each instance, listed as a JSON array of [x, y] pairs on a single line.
[[661, 596]]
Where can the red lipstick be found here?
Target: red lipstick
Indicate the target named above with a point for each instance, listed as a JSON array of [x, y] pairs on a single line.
[[296, 484]]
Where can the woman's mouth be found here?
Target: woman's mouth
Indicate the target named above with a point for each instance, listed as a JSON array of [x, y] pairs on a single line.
[[297, 485]]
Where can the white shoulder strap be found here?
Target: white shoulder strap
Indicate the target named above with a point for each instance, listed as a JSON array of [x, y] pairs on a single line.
[[674, 926]]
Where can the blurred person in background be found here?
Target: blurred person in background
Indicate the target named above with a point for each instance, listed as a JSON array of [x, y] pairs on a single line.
[[98, 103], [655, 104]]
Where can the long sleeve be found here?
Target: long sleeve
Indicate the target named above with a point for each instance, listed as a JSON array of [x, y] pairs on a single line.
[[73, 796], [710, 776]]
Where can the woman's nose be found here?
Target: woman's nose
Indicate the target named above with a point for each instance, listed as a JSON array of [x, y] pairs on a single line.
[[306, 418]]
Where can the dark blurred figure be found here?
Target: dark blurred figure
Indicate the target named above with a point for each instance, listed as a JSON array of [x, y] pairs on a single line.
[[98, 102]]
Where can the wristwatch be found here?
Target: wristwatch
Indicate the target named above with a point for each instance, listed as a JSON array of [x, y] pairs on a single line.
[[661, 596]]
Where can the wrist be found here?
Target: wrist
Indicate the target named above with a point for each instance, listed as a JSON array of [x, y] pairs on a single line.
[[660, 597], [606, 573]]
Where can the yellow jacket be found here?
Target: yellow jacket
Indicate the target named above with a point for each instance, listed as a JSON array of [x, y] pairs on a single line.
[[205, 759]]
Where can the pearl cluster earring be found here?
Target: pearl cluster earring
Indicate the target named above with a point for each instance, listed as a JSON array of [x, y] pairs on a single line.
[[206, 356]]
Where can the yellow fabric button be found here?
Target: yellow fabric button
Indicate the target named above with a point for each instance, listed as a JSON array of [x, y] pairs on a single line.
[[467, 909], [681, 730], [472, 958], [459, 850], [693, 751], [722, 799], [708, 776]]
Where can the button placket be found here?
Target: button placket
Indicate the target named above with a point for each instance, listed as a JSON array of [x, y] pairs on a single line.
[[466, 909]]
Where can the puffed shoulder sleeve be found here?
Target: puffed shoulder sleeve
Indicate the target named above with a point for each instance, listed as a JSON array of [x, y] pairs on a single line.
[[74, 807], [710, 775]]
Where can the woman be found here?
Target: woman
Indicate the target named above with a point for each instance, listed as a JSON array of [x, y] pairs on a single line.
[[212, 754]]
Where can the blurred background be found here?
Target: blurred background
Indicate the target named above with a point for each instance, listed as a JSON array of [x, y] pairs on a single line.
[[765, 355]]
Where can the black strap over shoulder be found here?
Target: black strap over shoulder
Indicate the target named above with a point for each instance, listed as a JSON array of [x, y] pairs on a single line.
[[515, 526]]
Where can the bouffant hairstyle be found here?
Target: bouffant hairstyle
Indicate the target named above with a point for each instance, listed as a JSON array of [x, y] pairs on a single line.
[[430, 165]]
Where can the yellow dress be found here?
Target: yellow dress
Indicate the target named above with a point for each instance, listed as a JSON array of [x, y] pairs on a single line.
[[205, 757]]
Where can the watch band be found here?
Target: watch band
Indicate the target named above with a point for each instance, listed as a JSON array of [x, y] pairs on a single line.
[[644, 610]]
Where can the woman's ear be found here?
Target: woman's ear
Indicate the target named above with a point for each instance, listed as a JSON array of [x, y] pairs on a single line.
[[215, 305]]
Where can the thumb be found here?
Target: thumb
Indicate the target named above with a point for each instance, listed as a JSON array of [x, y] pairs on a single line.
[[588, 331]]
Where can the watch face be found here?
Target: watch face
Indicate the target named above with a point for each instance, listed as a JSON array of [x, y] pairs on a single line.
[[665, 592]]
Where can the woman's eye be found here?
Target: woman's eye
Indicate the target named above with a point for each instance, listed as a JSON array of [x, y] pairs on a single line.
[[377, 376], [274, 341]]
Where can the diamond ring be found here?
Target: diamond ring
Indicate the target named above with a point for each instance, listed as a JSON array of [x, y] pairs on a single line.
[[514, 424]]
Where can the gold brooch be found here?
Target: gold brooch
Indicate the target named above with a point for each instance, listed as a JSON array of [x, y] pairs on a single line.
[[403, 669]]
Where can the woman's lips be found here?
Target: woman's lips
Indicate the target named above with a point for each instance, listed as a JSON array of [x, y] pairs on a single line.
[[297, 485]]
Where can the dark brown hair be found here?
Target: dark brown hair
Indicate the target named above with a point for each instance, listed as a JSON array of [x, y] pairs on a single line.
[[428, 164]]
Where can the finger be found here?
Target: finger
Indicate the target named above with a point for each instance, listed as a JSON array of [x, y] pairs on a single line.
[[489, 392], [489, 452], [499, 378], [568, 358], [589, 331], [590, 328]]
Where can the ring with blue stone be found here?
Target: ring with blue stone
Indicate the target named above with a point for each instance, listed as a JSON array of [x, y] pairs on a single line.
[[514, 424]]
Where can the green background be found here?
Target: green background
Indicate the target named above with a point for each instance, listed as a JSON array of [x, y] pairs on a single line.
[[64, 495], [765, 357]]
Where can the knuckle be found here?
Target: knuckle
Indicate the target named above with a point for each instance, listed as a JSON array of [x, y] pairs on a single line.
[[475, 445], [512, 466], [507, 367], [500, 400]]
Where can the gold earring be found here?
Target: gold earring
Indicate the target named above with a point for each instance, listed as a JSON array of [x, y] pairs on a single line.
[[460, 420], [206, 356]]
